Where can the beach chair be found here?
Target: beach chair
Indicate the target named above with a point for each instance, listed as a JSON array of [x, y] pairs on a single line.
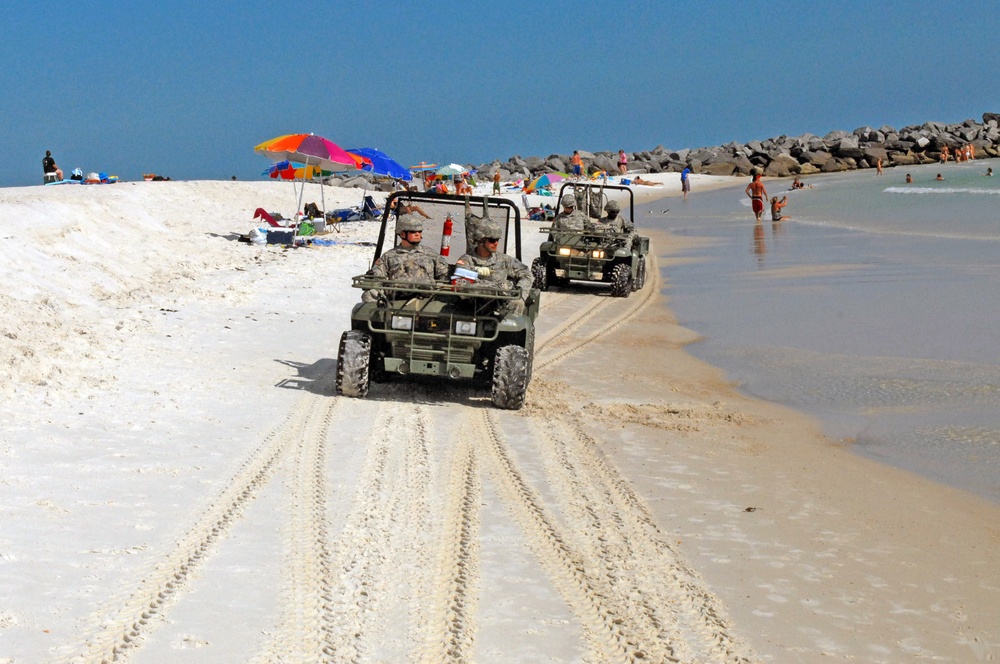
[[271, 220], [369, 210], [50, 177]]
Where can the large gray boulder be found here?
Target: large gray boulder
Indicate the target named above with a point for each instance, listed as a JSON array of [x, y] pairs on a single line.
[[903, 158], [556, 164], [834, 137], [848, 147], [834, 166], [816, 158], [719, 168], [872, 153], [782, 166], [606, 163]]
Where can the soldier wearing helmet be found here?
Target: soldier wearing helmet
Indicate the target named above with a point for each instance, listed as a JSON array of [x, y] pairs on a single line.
[[408, 261], [612, 222], [496, 268], [570, 219]]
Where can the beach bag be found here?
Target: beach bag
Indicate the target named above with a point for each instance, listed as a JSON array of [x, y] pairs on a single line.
[[306, 228]]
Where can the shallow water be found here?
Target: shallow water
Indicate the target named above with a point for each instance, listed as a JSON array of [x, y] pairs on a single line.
[[874, 308]]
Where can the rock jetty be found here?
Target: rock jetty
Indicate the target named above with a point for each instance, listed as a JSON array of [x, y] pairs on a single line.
[[782, 156], [787, 155]]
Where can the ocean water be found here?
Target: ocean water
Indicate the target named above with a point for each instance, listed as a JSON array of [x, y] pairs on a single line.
[[875, 307]]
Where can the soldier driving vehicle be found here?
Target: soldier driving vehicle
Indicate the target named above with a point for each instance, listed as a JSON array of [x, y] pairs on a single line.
[[582, 248], [473, 320]]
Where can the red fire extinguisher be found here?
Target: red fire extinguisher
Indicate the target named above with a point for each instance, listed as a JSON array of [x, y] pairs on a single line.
[[446, 236]]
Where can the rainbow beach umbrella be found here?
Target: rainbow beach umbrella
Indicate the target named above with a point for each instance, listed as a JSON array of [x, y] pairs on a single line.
[[543, 180]]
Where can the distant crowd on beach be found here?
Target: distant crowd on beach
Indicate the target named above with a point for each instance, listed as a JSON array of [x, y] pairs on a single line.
[[962, 153]]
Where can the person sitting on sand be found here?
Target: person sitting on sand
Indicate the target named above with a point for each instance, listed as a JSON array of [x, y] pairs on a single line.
[[776, 206]]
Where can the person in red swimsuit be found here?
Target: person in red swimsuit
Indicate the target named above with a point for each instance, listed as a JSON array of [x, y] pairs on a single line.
[[758, 194]]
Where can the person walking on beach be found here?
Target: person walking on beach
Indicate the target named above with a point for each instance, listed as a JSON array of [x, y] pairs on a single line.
[[622, 162], [758, 194], [878, 167], [496, 182], [686, 181], [577, 163], [49, 166]]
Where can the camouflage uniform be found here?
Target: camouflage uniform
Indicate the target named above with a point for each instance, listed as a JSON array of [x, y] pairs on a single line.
[[569, 221], [612, 222], [417, 264], [499, 270], [414, 264], [505, 271]]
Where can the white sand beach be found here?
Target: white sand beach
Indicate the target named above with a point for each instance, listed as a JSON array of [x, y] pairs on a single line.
[[179, 481]]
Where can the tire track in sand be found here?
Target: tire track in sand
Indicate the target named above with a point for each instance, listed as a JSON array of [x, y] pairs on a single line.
[[376, 558], [629, 308], [304, 631], [118, 629], [605, 630], [673, 617], [635, 597], [451, 607]]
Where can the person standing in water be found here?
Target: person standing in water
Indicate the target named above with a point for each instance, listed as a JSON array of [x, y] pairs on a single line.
[[758, 194]]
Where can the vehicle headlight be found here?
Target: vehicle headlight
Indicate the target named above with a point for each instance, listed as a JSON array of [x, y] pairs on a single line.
[[597, 253], [564, 251], [402, 323], [467, 327]]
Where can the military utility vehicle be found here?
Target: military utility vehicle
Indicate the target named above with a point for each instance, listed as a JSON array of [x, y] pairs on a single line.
[[454, 330], [595, 253]]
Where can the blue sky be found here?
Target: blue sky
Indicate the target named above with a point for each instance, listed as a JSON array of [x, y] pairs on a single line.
[[186, 89]]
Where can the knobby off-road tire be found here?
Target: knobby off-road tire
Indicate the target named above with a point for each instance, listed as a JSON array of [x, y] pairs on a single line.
[[621, 280], [353, 363], [540, 273], [640, 274], [510, 377]]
